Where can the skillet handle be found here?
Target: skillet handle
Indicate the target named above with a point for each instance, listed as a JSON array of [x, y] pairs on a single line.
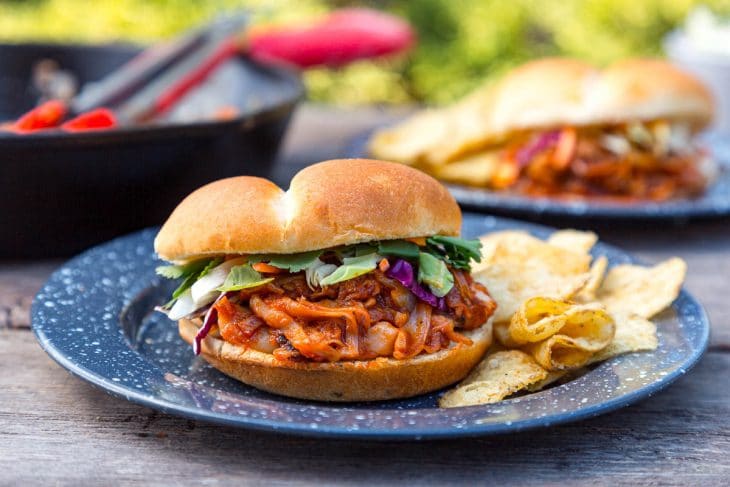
[[342, 37]]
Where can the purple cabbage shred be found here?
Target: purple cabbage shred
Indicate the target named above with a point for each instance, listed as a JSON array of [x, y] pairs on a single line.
[[537, 145], [403, 272], [208, 320]]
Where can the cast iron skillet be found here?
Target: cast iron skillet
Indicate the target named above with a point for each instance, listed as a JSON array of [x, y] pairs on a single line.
[[62, 192]]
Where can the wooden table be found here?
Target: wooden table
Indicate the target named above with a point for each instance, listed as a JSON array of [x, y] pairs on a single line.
[[56, 429]]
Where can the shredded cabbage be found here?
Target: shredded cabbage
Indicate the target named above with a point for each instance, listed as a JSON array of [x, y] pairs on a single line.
[[434, 273], [243, 277], [352, 267], [402, 271]]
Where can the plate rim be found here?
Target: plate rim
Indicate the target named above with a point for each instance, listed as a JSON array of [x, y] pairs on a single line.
[[326, 431]]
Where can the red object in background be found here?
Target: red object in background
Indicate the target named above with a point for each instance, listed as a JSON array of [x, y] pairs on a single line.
[[44, 116], [101, 118], [343, 37]]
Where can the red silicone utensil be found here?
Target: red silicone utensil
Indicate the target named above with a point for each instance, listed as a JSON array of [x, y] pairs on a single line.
[[44, 116], [99, 119], [342, 37]]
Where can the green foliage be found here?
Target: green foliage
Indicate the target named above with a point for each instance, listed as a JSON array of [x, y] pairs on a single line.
[[463, 43]]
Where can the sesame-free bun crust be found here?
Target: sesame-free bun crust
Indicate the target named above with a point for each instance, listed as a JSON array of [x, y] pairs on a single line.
[[557, 91], [371, 380], [332, 203]]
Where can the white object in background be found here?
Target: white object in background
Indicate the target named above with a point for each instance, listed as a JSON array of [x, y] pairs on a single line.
[[702, 47]]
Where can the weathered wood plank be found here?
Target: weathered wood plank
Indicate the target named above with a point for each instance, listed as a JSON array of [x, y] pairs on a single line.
[[56, 428], [19, 282]]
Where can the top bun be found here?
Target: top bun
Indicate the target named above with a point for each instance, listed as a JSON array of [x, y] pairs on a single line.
[[544, 94], [332, 203], [556, 91]]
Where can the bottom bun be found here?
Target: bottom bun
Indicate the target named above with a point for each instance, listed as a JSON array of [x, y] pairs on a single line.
[[366, 380]]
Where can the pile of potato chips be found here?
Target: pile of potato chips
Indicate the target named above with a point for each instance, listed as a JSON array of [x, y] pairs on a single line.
[[559, 311]]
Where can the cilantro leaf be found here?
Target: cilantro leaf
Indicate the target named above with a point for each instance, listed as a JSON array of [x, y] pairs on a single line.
[[291, 262], [351, 268], [365, 249], [189, 272], [398, 248], [455, 251], [210, 266], [170, 271]]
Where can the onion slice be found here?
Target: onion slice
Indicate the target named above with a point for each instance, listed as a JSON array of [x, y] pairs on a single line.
[[204, 289]]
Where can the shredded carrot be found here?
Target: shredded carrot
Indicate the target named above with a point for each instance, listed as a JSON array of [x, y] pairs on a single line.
[[266, 268], [420, 241], [384, 265], [565, 148]]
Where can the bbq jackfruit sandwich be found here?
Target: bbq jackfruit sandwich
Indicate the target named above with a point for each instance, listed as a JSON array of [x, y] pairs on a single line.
[[353, 285]]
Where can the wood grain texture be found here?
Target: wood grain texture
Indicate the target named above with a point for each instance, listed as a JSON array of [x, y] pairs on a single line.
[[19, 282], [56, 429], [680, 436]]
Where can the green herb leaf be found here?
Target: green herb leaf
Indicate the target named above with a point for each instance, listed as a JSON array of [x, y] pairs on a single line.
[[243, 277], [290, 262], [398, 248], [190, 273], [455, 251], [351, 268], [210, 266], [365, 249], [184, 270], [433, 272], [170, 271]]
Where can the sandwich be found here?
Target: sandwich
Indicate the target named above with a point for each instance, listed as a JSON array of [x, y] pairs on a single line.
[[353, 285], [561, 127]]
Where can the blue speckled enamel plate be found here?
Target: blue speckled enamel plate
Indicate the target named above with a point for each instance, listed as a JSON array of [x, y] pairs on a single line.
[[714, 203], [95, 317]]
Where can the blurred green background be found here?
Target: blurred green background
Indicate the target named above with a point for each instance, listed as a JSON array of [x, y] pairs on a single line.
[[462, 43]]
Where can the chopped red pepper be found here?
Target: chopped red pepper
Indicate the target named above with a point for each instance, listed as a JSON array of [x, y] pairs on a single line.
[[44, 116], [101, 118]]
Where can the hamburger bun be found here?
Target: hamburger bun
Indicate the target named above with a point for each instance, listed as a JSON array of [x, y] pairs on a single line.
[[555, 91], [370, 380], [332, 203]]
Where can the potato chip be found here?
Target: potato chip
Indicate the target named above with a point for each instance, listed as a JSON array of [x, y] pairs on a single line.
[[631, 289], [633, 334], [477, 169], [517, 266], [470, 130], [536, 319], [573, 240], [524, 249], [586, 330], [597, 272], [408, 141], [551, 378], [499, 375]]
